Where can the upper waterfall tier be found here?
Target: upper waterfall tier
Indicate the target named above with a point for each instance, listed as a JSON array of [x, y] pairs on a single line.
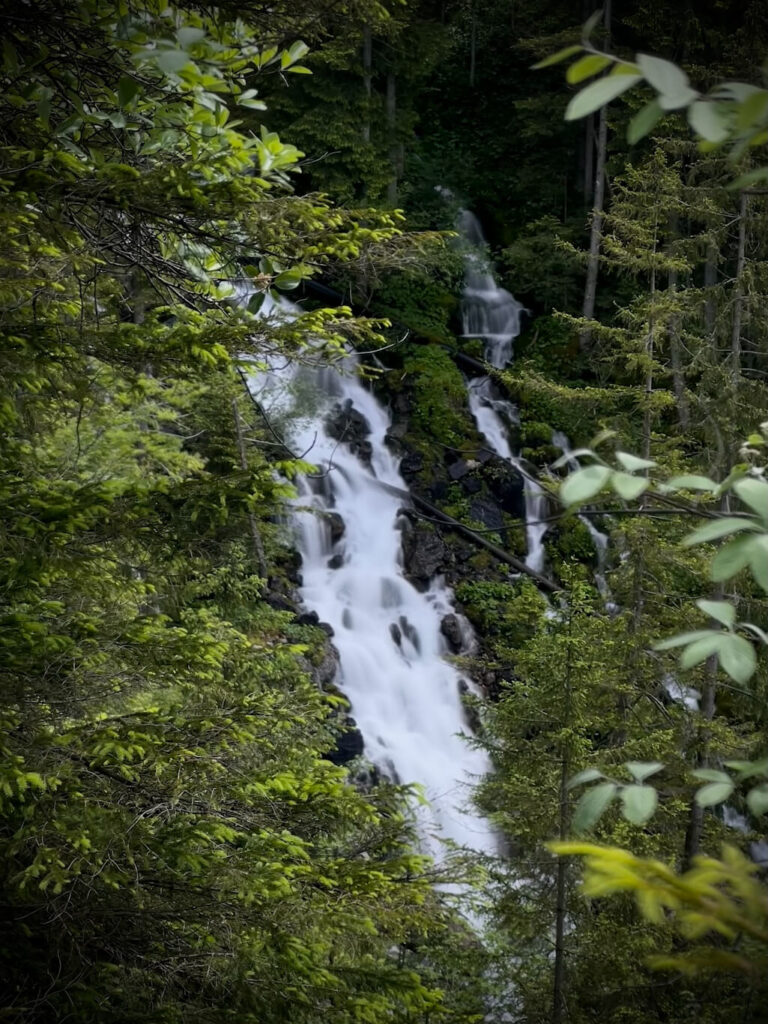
[[487, 311]]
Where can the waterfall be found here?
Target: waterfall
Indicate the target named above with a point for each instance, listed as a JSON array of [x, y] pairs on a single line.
[[493, 315], [405, 696], [599, 539], [488, 312]]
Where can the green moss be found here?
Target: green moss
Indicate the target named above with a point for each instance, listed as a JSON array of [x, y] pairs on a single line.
[[439, 396], [510, 612], [572, 540]]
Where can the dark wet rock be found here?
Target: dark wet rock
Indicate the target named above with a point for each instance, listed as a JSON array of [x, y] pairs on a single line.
[[410, 632], [396, 634], [363, 450], [326, 627], [450, 627], [346, 618], [471, 485], [280, 602], [487, 512], [345, 423], [424, 553], [349, 745], [397, 432], [411, 464], [336, 525], [325, 671], [308, 619], [335, 561], [471, 717], [439, 490], [507, 486], [458, 470]]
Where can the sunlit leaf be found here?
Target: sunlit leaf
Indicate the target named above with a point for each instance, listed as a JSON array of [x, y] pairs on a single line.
[[598, 94], [556, 58], [641, 770], [723, 611], [592, 804], [638, 803], [586, 67], [714, 793], [724, 527], [584, 484]]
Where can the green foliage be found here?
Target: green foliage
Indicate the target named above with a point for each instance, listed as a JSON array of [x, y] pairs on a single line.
[[175, 844], [715, 897], [440, 396]]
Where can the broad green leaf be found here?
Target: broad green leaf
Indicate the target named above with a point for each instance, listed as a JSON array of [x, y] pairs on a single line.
[[556, 58], [674, 101], [641, 770], [749, 769], [172, 61], [588, 775], [586, 67], [569, 456], [638, 803], [598, 94], [757, 800], [737, 657], [625, 68], [714, 793], [127, 88], [665, 77], [289, 279], [691, 482], [712, 775], [723, 611], [752, 111], [738, 91], [755, 494], [629, 487], [717, 528], [633, 462], [702, 649], [591, 23], [584, 484], [680, 639], [706, 120], [591, 805], [188, 36], [731, 559], [758, 561]]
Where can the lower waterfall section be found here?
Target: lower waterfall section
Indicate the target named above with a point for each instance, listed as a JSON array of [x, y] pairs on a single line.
[[406, 698]]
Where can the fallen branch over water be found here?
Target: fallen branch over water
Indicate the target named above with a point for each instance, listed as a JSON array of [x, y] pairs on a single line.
[[499, 553]]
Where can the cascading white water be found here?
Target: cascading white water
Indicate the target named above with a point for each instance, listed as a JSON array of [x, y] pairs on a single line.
[[493, 315], [488, 312], [599, 539], [405, 696]]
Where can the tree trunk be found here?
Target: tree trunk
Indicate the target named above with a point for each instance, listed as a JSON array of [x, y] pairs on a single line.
[[675, 352], [472, 44], [710, 281], [593, 261], [391, 130], [738, 302], [589, 159], [561, 904], [367, 80], [258, 547]]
